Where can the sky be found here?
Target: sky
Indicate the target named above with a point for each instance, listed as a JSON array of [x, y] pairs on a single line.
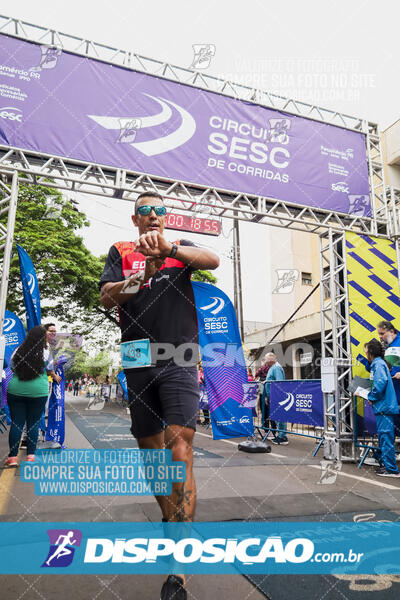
[[340, 55]]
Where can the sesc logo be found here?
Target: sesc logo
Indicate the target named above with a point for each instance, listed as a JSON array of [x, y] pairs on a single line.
[[340, 186], [217, 305], [11, 113], [8, 325], [129, 127], [31, 282], [288, 402], [244, 420]]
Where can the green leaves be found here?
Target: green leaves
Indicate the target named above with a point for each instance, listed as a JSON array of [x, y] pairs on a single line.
[[205, 276], [47, 228]]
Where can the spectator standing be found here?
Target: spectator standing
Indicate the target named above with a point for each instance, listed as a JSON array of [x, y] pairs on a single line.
[[261, 375], [276, 373], [384, 403], [27, 391]]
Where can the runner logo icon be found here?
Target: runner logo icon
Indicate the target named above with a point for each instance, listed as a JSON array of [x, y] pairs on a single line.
[[288, 402], [129, 126], [62, 547], [359, 205]]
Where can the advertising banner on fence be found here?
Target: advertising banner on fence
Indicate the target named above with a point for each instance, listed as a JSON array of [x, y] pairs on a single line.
[[225, 373], [59, 103], [297, 402]]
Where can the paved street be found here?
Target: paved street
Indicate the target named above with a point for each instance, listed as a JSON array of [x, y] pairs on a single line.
[[231, 485]]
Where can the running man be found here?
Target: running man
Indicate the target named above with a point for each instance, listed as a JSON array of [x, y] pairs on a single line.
[[149, 281], [62, 542]]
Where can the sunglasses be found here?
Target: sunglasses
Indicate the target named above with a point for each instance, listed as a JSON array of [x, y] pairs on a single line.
[[146, 209]]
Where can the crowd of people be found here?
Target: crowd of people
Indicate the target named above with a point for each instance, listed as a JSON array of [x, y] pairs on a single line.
[[80, 385]]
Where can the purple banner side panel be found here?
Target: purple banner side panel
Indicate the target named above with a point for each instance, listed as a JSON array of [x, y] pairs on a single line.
[[297, 402], [59, 103]]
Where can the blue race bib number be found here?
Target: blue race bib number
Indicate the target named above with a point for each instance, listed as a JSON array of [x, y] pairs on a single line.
[[136, 354]]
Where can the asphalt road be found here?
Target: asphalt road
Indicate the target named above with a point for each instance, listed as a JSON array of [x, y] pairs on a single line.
[[231, 485]]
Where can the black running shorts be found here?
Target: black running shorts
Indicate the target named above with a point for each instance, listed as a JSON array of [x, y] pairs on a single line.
[[160, 396]]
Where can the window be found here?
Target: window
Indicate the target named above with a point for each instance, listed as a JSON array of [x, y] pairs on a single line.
[[306, 279]]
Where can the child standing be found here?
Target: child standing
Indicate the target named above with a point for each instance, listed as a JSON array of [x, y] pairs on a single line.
[[384, 403]]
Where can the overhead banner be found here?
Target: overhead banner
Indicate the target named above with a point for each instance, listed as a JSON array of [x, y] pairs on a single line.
[[224, 367], [14, 333], [55, 102], [297, 401], [30, 289]]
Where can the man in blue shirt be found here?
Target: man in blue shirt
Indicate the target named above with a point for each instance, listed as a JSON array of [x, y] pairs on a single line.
[[385, 406], [276, 373]]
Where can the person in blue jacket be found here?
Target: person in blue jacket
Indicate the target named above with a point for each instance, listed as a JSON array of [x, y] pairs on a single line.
[[390, 339], [384, 403], [276, 373]]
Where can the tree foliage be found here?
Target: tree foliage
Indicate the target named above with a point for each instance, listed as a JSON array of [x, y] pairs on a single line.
[[47, 227], [205, 276]]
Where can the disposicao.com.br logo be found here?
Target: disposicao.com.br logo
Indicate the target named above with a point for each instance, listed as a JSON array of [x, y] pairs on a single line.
[[192, 550], [281, 547]]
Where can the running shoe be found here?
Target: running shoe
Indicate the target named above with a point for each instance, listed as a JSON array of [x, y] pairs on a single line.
[[382, 472], [280, 441], [30, 458], [12, 461], [173, 589]]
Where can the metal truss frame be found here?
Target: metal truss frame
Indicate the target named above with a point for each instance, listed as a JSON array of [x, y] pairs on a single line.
[[90, 178], [28, 167], [335, 346], [228, 203]]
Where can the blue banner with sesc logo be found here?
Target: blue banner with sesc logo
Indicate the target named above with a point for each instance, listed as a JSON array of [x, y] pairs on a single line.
[[14, 333], [225, 373], [297, 401], [30, 289]]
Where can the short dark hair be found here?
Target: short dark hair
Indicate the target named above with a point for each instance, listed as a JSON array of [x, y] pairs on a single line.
[[48, 325], [386, 325], [149, 194], [374, 348]]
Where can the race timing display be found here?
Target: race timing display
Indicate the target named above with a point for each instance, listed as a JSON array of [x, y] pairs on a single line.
[[193, 224]]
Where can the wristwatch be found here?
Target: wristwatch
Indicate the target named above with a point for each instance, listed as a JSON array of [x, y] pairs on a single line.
[[174, 250]]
